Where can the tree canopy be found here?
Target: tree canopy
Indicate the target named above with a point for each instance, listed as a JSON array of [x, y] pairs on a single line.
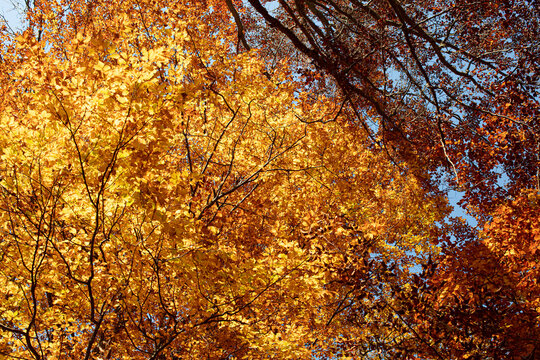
[[230, 179]]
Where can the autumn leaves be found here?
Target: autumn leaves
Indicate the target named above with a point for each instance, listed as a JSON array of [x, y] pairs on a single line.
[[164, 195]]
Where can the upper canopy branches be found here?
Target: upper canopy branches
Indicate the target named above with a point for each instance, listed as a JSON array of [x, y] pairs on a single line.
[[437, 78]]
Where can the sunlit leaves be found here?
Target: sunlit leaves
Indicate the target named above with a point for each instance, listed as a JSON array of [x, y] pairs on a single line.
[[164, 196]]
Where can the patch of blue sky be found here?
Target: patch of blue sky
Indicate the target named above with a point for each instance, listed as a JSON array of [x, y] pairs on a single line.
[[12, 14]]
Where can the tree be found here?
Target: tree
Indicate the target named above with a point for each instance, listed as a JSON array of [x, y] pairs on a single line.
[[164, 196], [456, 82], [451, 87]]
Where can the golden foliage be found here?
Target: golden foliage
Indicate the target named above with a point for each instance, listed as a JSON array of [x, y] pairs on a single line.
[[162, 196]]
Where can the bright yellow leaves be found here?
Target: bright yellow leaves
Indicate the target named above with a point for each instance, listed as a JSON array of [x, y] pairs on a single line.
[[162, 196]]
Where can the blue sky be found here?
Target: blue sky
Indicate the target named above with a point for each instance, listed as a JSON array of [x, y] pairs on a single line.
[[9, 10]]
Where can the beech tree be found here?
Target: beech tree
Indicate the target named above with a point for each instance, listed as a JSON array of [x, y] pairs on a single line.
[[163, 197], [453, 88], [227, 179], [442, 78]]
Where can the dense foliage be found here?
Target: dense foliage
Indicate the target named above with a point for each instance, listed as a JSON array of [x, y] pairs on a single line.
[[223, 179]]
